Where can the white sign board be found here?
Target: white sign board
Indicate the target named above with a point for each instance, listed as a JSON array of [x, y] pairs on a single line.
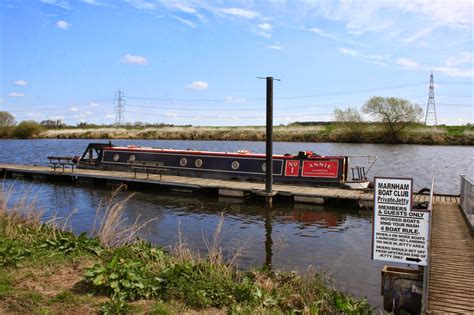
[[400, 234]]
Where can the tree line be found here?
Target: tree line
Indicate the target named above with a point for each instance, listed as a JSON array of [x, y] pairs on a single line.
[[391, 116]]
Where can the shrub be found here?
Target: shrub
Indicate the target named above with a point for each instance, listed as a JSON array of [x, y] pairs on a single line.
[[5, 132], [27, 129], [11, 253], [125, 278], [66, 242]]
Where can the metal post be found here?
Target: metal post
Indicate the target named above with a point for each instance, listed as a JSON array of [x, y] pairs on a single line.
[[269, 137], [426, 269]]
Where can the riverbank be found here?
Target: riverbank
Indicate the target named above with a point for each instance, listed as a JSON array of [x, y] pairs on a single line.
[[365, 133], [46, 269]]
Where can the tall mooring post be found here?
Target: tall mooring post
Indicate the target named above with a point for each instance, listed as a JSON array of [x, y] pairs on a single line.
[[269, 137], [269, 141]]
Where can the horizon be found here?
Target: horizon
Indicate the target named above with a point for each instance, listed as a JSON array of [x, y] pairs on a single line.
[[197, 62]]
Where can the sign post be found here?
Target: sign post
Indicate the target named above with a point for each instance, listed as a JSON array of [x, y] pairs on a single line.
[[400, 233]]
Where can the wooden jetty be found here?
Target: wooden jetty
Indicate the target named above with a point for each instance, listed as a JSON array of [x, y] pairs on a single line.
[[451, 276], [226, 188]]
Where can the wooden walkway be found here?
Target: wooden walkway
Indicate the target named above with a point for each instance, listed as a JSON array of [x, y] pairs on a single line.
[[299, 193], [451, 279], [194, 182]]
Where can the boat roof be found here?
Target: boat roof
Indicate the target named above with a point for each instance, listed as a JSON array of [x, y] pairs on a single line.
[[240, 153]]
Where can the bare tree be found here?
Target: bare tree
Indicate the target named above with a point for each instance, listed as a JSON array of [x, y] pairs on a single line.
[[6, 119], [395, 114], [350, 122]]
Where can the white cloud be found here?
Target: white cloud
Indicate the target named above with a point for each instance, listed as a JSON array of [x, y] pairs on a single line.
[[407, 63], [184, 21], [454, 72], [94, 2], [109, 116], [322, 33], [172, 115], [267, 27], [73, 109], [63, 4], [15, 94], [142, 4], [376, 59], [420, 34], [2, 100], [20, 82], [275, 47], [462, 58], [230, 99], [243, 13], [456, 14], [198, 85], [265, 30], [184, 8], [63, 24], [348, 51], [265, 34], [94, 104], [134, 59]]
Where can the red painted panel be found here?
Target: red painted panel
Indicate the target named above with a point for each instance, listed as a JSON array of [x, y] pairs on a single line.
[[292, 168], [320, 169]]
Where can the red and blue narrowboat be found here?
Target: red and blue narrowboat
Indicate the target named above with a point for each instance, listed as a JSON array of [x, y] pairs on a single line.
[[304, 168]]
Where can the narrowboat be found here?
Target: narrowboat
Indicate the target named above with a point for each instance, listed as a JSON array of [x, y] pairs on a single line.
[[303, 168]]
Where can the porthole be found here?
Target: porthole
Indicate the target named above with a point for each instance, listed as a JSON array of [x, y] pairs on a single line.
[[198, 163], [183, 162], [116, 157], [132, 158], [235, 165], [264, 167]]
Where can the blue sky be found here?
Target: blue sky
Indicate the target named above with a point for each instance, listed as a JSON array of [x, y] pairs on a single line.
[[197, 62]]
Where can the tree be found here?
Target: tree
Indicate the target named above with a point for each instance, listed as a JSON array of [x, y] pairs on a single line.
[[395, 114], [350, 122], [52, 124], [6, 119], [27, 129]]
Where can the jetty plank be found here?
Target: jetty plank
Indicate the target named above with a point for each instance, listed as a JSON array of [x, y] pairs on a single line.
[[450, 288]]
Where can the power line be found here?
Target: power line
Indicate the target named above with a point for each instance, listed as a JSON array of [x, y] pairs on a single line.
[[455, 83], [230, 100], [228, 117]]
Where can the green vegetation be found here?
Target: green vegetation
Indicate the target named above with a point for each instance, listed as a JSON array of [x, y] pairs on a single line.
[[51, 271], [27, 129], [392, 120]]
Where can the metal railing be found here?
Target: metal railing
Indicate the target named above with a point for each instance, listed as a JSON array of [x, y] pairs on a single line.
[[426, 269], [467, 200]]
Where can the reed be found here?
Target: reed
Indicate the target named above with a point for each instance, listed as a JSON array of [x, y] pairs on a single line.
[[111, 226]]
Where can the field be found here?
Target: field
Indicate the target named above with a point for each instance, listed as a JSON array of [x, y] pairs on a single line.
[[364, 133]]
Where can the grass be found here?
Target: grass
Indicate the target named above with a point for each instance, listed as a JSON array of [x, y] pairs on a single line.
[[49, 270], [331, 132]]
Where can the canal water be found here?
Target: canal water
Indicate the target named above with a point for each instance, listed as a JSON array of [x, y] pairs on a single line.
[[333, 238]]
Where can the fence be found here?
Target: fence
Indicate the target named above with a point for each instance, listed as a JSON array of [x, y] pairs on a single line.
[[467, 200]]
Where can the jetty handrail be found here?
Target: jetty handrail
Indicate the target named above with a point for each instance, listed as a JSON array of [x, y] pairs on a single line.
[[426, 269], [467, 201]]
